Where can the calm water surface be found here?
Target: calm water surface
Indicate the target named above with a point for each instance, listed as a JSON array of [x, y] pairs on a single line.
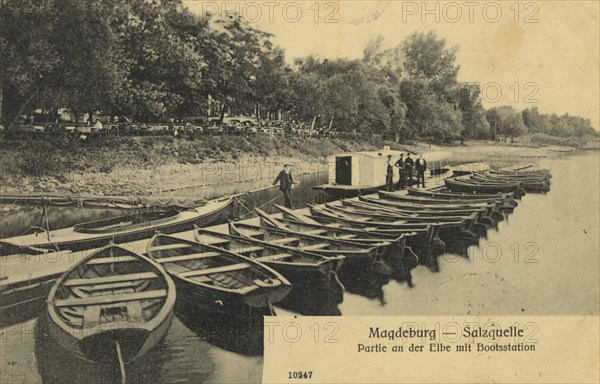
[[543, 260]]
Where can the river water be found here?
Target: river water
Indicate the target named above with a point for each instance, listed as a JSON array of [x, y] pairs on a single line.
[[543, 260]]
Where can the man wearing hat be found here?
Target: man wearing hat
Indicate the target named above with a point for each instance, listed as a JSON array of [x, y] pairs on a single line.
[[408, 167], [389, 175], [285, 184], [400, 165], [421, 166]]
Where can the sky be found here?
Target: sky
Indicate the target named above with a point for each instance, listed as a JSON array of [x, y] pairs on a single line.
[[524, 54]]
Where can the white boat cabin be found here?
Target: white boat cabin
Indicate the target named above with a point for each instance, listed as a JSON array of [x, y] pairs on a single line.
[[367, 169]]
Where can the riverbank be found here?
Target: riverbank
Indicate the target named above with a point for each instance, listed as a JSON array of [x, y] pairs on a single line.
[[158, 165]]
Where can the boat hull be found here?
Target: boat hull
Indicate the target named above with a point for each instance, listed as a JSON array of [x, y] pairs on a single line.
[[100, 346], [202, 299], [347, 191]]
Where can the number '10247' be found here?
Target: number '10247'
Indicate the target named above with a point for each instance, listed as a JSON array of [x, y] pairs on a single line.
[[299, 375]]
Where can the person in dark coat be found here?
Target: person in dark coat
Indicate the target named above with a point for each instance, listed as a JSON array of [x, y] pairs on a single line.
[[389, 175], [285, 180], [421, 166], [400, 165], [408, 168]]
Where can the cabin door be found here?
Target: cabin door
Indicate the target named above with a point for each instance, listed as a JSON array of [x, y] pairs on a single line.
[[343, 170]]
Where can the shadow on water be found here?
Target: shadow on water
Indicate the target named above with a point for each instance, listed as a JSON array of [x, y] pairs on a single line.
[[366, 283], [181, 357], [243, 334], [315, 299], [22, 312], [58, 365]]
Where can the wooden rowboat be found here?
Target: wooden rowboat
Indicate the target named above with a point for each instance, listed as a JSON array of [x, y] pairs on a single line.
[[397, 251], [529, 184], [490, 210], [214, 279], [379, 257], [457, 202], [465, 185], [505, 199], [424, 238], [483, 219], [521, 172], [114, 305], [451, 228], [313, 276], [122, 229]]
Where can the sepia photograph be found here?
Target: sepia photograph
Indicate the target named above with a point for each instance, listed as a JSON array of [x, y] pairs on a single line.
[[309, 191]]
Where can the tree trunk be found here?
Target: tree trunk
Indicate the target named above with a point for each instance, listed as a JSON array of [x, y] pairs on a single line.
[[397, 134], [13, 124], [1, 99], [222, 114]]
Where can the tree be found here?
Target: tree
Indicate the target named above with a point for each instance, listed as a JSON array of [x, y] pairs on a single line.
[[534, 121], [28, 60], [429, 88], [474, 122], [165, 69], [357, 96], [427, 58], [506, 121], [273, 90], [234, 49]]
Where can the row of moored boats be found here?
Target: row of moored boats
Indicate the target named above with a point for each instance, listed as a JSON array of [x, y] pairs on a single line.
[[117, 303]]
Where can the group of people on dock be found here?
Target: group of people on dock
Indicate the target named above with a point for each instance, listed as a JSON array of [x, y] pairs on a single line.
[[407, 169]]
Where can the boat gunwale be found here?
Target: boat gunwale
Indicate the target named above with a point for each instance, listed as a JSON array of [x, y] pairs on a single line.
[[84, 333], [245, 259]]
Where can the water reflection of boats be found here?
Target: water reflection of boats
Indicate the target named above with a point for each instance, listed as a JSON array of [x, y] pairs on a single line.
[[369, 285], [114, 305], [396, 252], [207, 275], [56, 365], [31, 309], [240, 334]]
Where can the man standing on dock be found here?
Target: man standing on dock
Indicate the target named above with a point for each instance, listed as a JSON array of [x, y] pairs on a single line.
[[400, 165], [408, 168], [389, 175], [421, 166], [285, 184]]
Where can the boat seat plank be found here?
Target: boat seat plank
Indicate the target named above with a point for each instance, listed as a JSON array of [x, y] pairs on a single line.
[[276, 257], [192, 256], [170, 246], [93, 289], [111, 260], [110, 299], [246, 249], [209, 271], [314, 246], [284, 240], [110, 279]]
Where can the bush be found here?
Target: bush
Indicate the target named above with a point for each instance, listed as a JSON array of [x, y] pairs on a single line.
[[543, 139], [39, 162]]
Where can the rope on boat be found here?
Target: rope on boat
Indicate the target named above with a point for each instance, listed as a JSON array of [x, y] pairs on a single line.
[[121, 363], [253, 212], [271, 309], [242, 204]]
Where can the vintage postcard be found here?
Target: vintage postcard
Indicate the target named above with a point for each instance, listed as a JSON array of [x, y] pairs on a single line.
[[310, 191]]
